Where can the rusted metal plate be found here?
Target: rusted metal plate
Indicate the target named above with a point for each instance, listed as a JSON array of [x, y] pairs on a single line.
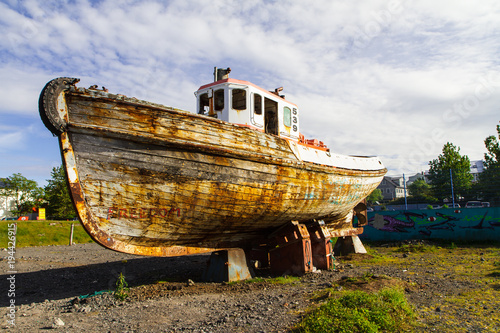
[[227, 266], [291, 250], [153, 180], [321, 246]]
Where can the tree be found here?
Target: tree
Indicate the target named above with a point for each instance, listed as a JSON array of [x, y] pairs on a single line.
[[420, 192], [56, 192], [419, 188], [25, 193], [375, 196], [489, 179], [439, 173], [492, 157]]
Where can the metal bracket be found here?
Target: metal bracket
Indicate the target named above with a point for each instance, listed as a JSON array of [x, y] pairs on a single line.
[[321, 246], [291, 251]]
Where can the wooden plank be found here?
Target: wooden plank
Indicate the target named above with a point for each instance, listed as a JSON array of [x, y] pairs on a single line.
[[150, 179]]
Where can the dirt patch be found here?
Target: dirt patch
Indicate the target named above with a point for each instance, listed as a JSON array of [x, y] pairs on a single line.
[[65, 288]]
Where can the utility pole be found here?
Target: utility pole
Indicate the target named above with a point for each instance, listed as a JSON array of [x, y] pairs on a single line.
[[404, 186], [452, 195]]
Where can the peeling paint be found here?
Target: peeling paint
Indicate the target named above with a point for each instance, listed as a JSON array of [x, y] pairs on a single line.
[[154, 180]]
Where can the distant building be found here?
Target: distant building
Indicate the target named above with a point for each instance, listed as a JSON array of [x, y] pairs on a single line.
[[6, 203], [417, 176], [476, 167], [392, 188]]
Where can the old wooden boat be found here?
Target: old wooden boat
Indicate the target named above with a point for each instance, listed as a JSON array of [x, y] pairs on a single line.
[[154, 180]]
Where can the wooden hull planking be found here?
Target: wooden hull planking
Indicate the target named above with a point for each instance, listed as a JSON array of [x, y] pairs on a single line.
[[153, 180]]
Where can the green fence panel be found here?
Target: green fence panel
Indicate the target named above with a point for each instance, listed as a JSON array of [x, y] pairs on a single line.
[[464, 224]]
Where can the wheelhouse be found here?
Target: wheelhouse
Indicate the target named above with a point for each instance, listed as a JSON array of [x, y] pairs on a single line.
[[243, 103]]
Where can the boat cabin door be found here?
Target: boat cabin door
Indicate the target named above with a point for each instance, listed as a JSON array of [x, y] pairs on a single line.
[[271, 116]]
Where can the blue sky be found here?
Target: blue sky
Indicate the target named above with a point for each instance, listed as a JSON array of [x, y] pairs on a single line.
[[397, 79]]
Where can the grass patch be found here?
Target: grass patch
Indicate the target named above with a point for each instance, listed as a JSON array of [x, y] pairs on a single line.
[[359, 311], [382, 259], [42, 233], [416, 248], [284, 279], [275, 280]]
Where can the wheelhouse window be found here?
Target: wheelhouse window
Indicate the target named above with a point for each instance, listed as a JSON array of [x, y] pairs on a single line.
[[239, 99], [204, 104], [287, 116], [219, 100], [257, 104]]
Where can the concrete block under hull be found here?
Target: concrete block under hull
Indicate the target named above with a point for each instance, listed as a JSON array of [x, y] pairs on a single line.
[[227, 266], [349, 244]]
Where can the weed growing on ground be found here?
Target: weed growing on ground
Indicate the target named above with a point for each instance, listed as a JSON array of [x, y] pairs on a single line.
[[121, 288], [359, 311], [276, 280], [284, 279]]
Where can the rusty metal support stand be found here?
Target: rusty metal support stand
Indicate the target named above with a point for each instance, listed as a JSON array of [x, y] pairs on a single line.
[[348, 244], [321, 246], [291, 251], [227, 266]]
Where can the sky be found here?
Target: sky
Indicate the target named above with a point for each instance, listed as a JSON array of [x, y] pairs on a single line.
[[396, 79]]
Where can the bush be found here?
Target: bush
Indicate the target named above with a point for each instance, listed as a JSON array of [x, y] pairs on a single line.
[[358, 311]]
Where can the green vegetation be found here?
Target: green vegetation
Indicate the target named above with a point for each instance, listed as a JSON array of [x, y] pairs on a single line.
[[42, 233], [416, 248], [25, 193], [420, 191], [359, 311], [284, 279], [59, 204], [27, 197], [375, 197], [275, 280], [121, 288], [439, 173], [489, 179]]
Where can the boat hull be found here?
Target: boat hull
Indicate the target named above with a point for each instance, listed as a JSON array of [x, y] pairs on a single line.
[[153, 180]]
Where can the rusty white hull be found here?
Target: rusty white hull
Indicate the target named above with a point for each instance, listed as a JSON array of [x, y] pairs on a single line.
[[153, 180]]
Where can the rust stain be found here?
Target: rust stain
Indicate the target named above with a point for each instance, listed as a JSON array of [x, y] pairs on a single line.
[[152, 180]]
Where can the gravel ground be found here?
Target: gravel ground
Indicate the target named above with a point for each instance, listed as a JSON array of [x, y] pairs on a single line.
[[64, 288]]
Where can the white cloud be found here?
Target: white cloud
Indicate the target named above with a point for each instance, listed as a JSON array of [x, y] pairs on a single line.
[[10, 140]]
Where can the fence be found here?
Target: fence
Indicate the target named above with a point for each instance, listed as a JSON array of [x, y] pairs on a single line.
[[466, 224]]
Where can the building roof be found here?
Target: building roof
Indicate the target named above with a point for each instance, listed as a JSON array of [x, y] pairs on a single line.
[[476, 166], [393, 181]]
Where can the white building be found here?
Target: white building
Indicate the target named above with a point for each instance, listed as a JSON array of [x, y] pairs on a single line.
[[6, 203], [476, 167]]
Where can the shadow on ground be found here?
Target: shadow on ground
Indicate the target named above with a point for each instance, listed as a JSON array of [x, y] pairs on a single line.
[[60, 283]]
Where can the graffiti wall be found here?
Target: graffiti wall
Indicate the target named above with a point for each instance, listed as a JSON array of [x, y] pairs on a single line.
[[464, 224]]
